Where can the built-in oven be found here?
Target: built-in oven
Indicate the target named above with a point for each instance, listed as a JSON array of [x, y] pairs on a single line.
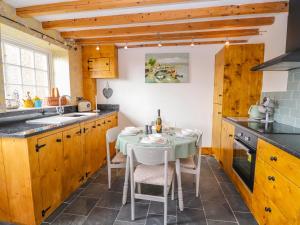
[[244, 156]]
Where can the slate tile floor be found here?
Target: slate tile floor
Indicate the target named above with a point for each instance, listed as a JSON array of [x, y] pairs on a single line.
[[93, 204]]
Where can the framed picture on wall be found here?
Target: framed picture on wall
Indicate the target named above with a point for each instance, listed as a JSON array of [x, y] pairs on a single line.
[[167, 68]]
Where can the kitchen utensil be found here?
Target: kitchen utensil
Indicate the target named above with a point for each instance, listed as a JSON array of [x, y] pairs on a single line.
[[254, 112], [84, 106]]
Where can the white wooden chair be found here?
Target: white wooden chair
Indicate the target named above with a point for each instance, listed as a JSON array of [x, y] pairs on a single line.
[[153, 169], [189, 166], [119, 160]]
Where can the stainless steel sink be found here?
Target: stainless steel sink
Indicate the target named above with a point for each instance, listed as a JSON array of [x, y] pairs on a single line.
[[62, 119]]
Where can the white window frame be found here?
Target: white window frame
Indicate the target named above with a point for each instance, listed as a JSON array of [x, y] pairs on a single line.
[[31, 47]]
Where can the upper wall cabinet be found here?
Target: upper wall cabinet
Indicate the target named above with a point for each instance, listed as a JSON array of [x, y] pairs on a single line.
[[102, 63]]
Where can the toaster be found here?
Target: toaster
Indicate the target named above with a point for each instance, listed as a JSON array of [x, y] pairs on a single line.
[[84, 106]]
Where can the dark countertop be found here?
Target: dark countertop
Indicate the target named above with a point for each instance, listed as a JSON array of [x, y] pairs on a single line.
[[290, 143], [21, 129]]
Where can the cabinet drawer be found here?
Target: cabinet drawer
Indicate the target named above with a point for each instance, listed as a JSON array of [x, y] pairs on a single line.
[[284, 163], [282, 193]]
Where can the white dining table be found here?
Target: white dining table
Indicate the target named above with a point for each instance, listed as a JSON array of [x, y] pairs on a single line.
[[183, 147]]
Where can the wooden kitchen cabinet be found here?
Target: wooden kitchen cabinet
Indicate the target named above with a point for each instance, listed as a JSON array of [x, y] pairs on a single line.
[[226, 153], [50, 154], [281, 203], [90, 148], [216, 128], [39, 172], [4, 207], [236, 87], [73, 173], [102, 63]]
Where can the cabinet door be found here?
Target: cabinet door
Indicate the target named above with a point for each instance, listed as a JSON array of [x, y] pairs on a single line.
[[4, 208], [99, 64], [50, 150], [101, 141], [226, 153], [73, 173], [89, 148], [216, 130], [219, 76]]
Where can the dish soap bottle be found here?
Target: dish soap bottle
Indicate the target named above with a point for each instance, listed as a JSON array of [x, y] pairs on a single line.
[[158, 123]]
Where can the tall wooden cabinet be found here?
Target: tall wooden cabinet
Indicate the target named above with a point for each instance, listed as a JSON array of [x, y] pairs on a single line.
[[236, 87]]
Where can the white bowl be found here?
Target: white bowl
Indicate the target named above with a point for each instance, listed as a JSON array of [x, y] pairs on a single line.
[[187, 132]]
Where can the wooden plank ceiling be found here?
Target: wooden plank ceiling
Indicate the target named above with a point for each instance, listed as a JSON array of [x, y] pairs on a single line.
[[174, 27]]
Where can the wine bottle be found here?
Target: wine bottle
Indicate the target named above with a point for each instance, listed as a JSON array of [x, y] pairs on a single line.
[[158, 123]]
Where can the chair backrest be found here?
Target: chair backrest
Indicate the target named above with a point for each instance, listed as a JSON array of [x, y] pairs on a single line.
[[111, 136], [150, 155]]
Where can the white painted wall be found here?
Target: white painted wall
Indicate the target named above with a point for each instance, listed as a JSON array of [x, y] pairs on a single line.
[[187, 104]]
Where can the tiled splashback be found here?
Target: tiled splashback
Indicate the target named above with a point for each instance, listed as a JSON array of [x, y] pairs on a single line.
[[288, 103]]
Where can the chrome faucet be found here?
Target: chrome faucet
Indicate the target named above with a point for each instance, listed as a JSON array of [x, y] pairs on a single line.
[[60, 109]]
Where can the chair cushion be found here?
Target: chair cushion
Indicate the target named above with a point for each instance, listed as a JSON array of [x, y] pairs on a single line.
[[119, 158], [188, 163], [152, 174]]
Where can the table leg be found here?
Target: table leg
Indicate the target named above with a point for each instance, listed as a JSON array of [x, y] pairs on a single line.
[[125, 188], [180, 197]]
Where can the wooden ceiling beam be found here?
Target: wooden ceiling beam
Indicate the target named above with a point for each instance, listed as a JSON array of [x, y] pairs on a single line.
[[170, 37], [186, 43], [84, 5], [171, 15], [216, 24]]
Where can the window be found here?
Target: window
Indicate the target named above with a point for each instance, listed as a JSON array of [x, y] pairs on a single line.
[[25, 70]]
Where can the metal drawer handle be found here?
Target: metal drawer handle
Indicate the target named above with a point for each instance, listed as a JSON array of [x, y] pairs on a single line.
[[271, 178], [268, 209], [273, 158], [68, 136]]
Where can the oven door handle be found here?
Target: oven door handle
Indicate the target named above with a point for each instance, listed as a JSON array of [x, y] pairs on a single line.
[[249, 150]]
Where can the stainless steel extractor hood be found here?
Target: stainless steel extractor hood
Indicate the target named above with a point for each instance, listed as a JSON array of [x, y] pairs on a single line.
[[291, 59]]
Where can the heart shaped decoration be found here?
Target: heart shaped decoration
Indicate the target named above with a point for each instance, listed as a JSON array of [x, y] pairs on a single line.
[[107, 91]]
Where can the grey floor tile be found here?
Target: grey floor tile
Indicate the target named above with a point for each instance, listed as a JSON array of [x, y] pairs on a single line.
[[221, 176], [154, 219], [94, 190], [102, 179], [118, 184], [4, 223], [218, 210], [245, 219], [126, 223], [81, 206], [140, 213], [69, 219], [96, 174], [112, 200], [152, 189], [228, 188], [211, 193], [191, 201], [187, 182], [101, 216], [158, 207], [236, 203], [215, 222], [191, 217], [56, 212], [73, 196]]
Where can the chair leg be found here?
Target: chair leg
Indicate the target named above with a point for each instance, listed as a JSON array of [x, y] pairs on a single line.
[[139, 188], [132, 202], [165, 205], [197, 183], [109, 176], [125, 188], [180, 198], [173, 187]]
